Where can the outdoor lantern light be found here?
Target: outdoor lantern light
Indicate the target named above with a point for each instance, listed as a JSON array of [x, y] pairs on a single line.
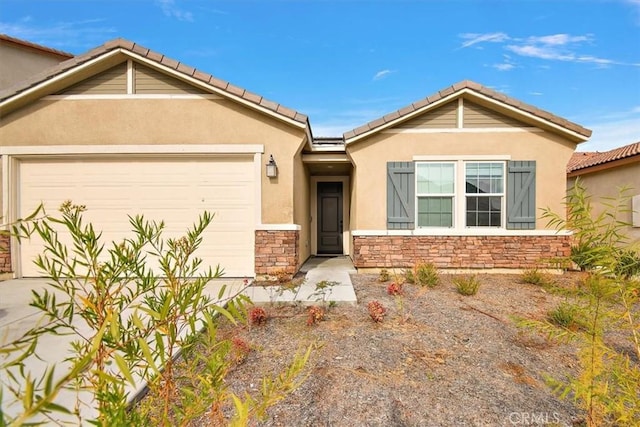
[[272, 168]]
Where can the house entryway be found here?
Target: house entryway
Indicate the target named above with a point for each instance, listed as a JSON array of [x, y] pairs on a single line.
[[330, 222]]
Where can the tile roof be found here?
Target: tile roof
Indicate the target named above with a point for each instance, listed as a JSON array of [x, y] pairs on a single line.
[[583, 160], [475, 87], [159, 58], [34, 46]]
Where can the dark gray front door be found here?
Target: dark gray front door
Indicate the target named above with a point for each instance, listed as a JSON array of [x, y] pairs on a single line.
[[330, 218]]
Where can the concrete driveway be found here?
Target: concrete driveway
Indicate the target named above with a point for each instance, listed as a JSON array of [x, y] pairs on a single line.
[[17, 317]]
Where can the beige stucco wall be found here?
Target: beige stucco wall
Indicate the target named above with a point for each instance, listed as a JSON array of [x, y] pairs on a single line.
[[370, 157], [165, 121], [302, 207], [17, 64], [606, 183]]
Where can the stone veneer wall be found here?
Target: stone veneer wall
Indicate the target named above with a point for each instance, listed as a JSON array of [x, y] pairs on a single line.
[[517, 252], [5, 253], [276, 250]]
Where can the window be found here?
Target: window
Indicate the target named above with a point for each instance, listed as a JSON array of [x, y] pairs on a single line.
[[436, 193], [484, 193], [460, 194]]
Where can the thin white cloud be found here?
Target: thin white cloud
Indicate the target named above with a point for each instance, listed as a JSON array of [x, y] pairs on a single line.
[[612, 130], [552, 47], [382, 74], [475, 38], [559, 39], [170, 9], [536, 93], [61, 35]]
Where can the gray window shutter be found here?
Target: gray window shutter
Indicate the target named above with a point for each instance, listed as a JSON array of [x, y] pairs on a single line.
[[521, 195], [401, 195]]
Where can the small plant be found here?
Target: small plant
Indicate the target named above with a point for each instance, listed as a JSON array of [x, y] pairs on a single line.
[[383, 276], [323, 291], [468, 285], [257, 316], [395, 289], [315, 315], [240, 349], [426, 274], [409, 276], [533, 276], [376, 311], [564, 315], [282, 276]]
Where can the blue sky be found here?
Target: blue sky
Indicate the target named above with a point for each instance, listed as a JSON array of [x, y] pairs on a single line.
[[344, 63]]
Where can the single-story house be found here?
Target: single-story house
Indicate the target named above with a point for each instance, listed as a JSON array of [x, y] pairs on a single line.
[[456, 178], [603, 174]]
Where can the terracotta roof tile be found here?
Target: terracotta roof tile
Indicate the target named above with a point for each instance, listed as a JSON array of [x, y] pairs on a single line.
[[475, 87], [155, 56], [160, 59], [583, 160], [171, 63], [140, 50], [35, 46]]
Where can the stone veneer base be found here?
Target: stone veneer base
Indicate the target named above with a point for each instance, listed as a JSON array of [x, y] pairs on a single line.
[[461, 252], [5, 252], [276, 251]]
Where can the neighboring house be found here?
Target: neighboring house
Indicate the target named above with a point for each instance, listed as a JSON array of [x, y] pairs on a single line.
[[20, 59], [455, 179], [604, 174]]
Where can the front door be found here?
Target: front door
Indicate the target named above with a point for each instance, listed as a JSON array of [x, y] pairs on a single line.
[[329, 218]]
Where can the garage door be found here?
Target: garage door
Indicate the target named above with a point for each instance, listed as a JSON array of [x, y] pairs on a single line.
[[174, 189]]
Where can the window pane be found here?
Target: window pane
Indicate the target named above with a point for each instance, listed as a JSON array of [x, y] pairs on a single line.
[[484, 211], [435, 211], [435, 178], [484, 177]]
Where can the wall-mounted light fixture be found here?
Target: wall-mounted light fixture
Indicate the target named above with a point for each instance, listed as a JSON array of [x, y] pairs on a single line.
[[272, 168]]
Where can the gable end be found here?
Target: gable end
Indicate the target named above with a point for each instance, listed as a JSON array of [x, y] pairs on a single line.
[[477, 116], [150, 81], [445, 116], [111, 81]]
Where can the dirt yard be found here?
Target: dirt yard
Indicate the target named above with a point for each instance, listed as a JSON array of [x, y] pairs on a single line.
[[437, 359]]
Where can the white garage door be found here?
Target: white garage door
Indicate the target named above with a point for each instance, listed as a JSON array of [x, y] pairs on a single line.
[[174, 189]]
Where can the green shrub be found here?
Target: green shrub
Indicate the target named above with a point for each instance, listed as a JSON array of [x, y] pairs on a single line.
[[383, 276], [564, 315], [628, 263], [534, 276], [409, 277], [467, 285], [426, 274]]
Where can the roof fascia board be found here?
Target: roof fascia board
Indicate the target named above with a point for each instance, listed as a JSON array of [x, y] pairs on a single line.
[[63, 75], [211, 88], [472, 93]]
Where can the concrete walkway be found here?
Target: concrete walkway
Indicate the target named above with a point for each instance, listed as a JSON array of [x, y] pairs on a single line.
[[326, 280]]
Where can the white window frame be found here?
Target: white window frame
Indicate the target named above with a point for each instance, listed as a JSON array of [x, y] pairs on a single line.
[[459, 196], [452, 195], [503, 203]]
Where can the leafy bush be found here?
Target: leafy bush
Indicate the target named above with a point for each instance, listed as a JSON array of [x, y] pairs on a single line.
[[426, 274], [129, 320], [383, 276], [467, 285]]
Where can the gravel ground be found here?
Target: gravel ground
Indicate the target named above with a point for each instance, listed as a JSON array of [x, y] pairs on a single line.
[[437, 359]]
